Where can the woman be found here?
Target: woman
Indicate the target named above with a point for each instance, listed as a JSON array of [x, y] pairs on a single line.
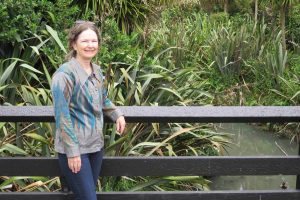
[[79, 103]]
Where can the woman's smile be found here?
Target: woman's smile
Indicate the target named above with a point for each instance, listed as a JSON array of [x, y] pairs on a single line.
[[87, 45]]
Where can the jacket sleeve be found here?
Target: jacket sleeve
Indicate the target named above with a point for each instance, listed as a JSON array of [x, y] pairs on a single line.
[[109, 109], [62, 86]]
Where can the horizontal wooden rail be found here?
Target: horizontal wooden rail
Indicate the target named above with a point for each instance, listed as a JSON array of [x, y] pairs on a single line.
[[175, 195], [162, 166], [150, 114], [165, 166]]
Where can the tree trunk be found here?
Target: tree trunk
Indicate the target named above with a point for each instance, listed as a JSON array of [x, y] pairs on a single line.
[[226, 6]]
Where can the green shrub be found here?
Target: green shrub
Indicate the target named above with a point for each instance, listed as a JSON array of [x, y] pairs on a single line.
[[19, 19], [219, 18], [293, 28]]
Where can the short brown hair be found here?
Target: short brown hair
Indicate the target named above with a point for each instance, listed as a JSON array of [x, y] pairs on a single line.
[[75, 31]]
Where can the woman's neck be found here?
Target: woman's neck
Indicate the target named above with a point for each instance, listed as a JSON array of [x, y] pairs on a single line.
[[86, 65]]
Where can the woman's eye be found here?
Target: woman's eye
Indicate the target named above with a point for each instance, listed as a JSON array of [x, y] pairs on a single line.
[[87, 41]]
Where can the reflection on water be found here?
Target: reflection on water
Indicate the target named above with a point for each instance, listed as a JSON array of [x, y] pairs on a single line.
[[251, 141]]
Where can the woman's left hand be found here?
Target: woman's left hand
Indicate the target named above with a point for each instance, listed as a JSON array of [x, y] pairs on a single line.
[[121, 124]]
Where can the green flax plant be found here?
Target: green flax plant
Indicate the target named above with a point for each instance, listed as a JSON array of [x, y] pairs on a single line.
[[276, 60], [28, 184], [29, 66], [183, 34], [269, 61], [25, 80], [153, 76], [139, 71], [229, 47], [289, 82], [140, 88], [250, 57], [129, 14]]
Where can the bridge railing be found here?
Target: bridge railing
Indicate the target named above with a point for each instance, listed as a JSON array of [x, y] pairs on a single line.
[[165, 166]]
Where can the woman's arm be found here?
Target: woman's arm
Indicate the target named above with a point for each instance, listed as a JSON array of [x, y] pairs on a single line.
[[62, 87], [113, 113]]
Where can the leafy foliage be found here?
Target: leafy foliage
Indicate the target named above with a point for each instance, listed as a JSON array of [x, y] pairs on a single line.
[[20, 19], [293, 26], [182, 56], [129, 15]]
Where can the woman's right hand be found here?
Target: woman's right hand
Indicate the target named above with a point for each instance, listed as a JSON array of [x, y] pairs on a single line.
[[74, 164]]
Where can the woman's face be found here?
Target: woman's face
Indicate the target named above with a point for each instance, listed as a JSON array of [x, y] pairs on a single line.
[[86, 45]]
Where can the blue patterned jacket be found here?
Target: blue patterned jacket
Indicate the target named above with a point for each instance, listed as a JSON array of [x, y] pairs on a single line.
[[79, 103]]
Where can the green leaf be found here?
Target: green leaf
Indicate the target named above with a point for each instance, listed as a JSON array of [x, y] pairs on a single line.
[[7, 72], [148, 184], [172, 91], [13, 149], [37, 137], [159, 67], [126, 76], [15, 178], [48, 76], [44, 94], [295, 95], [181, 131], [30, 68], [2, 124], [54, 34], [147, 144], [52, 16], [151, 76], [164, 51], [118, 142], [137, 98], [3, 87], [181, 178], [279, 93], [33, 75], [35, 49]]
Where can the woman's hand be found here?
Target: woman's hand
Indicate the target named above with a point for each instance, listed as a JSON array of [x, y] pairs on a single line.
[[74, 164], [121, 124]]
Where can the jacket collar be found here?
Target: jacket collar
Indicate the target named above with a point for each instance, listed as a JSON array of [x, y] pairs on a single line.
[[83, 76]]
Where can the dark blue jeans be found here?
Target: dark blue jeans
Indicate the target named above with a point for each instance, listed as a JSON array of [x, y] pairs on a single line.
[[83, 183]]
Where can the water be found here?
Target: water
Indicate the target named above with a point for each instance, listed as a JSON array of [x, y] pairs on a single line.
[[250, 140]]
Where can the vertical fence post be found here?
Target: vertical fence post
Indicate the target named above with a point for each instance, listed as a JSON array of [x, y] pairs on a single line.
[[19, 141], [63, 183], [298, 176], [41, 131]]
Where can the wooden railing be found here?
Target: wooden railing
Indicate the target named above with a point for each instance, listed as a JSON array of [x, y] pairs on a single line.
[[165, 166]]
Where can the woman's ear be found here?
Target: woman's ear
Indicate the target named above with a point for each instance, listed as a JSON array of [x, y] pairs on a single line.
[[74, 46]]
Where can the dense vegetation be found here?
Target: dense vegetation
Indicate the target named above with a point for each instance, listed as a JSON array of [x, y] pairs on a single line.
[[167, 52]]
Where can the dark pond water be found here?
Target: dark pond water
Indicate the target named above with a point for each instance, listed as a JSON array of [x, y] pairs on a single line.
[[250, 140]]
